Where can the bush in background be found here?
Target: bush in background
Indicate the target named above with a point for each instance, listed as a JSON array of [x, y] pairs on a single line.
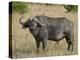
[[71, 8], [19, 7]]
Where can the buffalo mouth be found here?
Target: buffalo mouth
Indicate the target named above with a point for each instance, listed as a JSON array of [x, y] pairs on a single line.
[[25, 26]]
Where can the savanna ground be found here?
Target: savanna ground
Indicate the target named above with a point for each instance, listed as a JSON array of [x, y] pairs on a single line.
[[23, 43]]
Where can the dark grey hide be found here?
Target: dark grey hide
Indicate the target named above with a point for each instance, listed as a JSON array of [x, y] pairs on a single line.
[[45, 28]]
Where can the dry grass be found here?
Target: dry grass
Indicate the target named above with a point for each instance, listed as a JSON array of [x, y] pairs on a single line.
[[23, 43]]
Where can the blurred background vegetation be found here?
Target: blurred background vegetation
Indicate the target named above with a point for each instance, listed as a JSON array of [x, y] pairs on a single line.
[[19, 7], [23, 7], [71, 8]]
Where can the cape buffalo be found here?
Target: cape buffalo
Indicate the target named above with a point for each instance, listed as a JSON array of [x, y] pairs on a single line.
[[45, 28]]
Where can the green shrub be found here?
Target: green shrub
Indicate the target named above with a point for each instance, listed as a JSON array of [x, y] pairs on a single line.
[[19, 7], [71, 8]]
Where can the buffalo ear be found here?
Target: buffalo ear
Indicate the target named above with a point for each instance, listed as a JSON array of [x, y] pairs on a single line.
[[39, 24]]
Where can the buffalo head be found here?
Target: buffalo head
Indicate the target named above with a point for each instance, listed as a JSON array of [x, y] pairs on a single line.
[[32, 22]]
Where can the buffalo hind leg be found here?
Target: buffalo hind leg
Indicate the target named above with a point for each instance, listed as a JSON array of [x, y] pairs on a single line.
[[69, 41]]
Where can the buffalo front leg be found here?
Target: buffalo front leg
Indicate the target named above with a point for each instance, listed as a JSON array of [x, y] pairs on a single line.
[[44, 46], [38, 45]]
